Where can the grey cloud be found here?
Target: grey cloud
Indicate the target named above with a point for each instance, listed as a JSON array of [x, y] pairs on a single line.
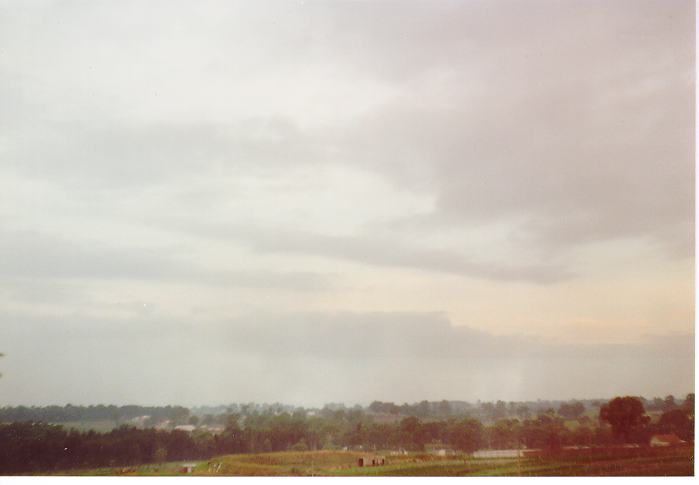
[[288, 280], [565, 122], [316, 358], [574, 119], [372, 250], [133, 155], [34, 255], [30, 256], [389, 335]]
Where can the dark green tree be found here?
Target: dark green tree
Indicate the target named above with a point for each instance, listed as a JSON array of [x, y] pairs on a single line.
[[546, 431], [676, 421], [626, 415], [504, 434], [688, 403], [466, 435], [410, 433]]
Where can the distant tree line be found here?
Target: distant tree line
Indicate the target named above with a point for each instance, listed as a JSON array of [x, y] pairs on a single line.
[[67, 413], [486, 412], [35, 446]]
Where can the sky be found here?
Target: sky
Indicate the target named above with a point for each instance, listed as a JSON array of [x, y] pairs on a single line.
[[341, 201]]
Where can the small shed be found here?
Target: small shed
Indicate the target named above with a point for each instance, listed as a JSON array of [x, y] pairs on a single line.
[[188, 467], [371, 461]]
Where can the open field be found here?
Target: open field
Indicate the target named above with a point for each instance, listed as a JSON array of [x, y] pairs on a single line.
[[101, 426], [678, 461]]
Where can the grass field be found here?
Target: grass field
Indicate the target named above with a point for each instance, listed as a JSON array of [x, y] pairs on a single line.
[[101, 426], [677, 461]]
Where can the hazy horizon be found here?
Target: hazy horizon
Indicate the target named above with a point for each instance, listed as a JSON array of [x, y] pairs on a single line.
[[314, 202], [346, 405]]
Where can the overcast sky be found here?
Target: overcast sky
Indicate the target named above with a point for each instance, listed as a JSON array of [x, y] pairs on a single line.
[[212, 201]]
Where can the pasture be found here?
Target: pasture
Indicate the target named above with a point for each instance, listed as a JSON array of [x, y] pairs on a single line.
[[677, 461], [100, 426]]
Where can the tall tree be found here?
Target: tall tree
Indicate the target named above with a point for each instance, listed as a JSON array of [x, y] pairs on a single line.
[[688, 403], [625, 415], [466, 435], [679, 422]]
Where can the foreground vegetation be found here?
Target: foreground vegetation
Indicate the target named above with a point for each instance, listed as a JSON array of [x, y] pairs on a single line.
[[610, 461], [37, 447]]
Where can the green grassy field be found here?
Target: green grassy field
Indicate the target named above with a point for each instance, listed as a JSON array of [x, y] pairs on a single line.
[[611, 462], [101, 426]]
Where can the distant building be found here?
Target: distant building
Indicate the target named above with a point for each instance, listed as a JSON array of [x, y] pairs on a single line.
[[188, 467], [444, 452], [440, 449], [186, 427], [372, 460], [498, 453], [140, 420], [163, 424], [665, 440]]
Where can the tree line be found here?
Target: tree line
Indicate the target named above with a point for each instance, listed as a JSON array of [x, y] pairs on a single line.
[[69, 412], [483, 411], [35, 446]]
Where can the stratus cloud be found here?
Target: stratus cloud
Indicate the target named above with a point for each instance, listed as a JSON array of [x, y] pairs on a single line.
[[122, 155], [316, 358], [370, 249], [502, 113], [34, 256], [543, 142]]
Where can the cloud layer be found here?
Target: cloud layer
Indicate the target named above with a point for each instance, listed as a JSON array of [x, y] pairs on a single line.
[[524, 170], [314, 358]]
